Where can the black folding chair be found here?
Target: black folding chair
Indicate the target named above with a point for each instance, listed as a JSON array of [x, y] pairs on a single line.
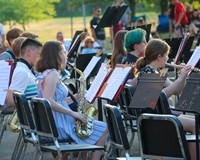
[[5, 113], [118, 136], [27, 133], [162, 137], [46, 128]]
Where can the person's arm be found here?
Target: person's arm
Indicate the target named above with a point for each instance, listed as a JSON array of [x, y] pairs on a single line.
[[180, 17], [176, 87], [49, 87], [93, 33]]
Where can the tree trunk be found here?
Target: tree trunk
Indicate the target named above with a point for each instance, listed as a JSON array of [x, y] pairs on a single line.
[[132, 5], [163, 6]]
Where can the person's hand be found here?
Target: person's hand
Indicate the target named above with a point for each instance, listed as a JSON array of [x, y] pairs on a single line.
[[185, 71], [79, 117]]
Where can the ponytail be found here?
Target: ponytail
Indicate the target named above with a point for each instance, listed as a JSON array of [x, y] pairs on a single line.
[[140, 63]]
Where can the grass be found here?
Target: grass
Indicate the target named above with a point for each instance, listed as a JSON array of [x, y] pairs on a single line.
[[47, 29]]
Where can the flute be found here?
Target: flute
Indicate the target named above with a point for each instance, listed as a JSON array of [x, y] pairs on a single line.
[[174, 65]]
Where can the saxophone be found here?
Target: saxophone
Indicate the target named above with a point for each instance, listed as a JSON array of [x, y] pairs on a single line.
[[84, 130], [13, 122]]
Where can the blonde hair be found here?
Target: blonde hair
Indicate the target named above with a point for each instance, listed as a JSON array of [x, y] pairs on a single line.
[[86, 40]]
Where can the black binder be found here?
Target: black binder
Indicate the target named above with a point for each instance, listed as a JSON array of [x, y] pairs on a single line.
[[146, 27], [147, 91], [190, 97], [112, 16]]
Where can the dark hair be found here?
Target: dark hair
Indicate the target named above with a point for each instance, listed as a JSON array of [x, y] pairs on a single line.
[[118, 47], [13, 34], [50, 56], [29, 42], [154, 48]]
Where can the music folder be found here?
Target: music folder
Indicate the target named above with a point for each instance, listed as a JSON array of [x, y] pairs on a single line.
[[147, 91], [146, 27], [5, 68], [111, 16]]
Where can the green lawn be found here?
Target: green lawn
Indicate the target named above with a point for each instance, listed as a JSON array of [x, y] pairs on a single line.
[[47, 29]]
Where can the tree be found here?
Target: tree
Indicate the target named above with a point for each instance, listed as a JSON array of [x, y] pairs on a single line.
[[25, 11]]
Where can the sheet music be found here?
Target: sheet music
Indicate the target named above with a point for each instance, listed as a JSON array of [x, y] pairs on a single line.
[[115, 80], [4, 80], [73, 45], [195, 57], [92, 92], [91, 66], [180, 49]]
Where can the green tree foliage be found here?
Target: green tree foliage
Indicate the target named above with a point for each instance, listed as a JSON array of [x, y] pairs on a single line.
[[25, 11]]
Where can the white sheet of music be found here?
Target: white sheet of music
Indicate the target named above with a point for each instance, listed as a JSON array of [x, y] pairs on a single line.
[[115, 80], [195, 57], [96, 84], [4, 80], [91, 66]]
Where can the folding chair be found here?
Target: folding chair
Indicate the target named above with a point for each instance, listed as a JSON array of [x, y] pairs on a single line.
[[27, 133], [118, 137], [5, 114], [46, 128], [162, 137]]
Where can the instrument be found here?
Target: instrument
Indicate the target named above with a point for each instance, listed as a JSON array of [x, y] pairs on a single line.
[[13, 122], [84, 130]]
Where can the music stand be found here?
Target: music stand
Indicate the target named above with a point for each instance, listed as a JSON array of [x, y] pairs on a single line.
[[74, 37], [186, 54], [147, 91], [146, 27]]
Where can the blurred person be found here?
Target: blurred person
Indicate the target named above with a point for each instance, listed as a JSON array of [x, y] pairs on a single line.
[[88, 46], [60, 38], [180, 18], [139, 22], [99, 35], [118, 52], [2, 38], [11, 35], [194, 25], [189, 11], [171, 18], [29, 35]]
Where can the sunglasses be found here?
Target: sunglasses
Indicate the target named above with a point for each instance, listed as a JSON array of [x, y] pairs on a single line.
[[90, 42]]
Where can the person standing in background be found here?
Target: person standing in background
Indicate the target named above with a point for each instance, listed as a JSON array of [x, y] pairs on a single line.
[[180, 17], [60, 38], [99, 35], [2, 38]]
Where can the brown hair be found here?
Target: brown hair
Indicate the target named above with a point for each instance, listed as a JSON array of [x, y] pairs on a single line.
[[29, 35], [154, 48], [118, 47], [13, 34], [50, 56], [16, 44]]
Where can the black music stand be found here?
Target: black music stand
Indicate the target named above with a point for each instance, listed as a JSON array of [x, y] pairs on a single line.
[[146, 27], [147, 92], [111, 16], [74, 37]]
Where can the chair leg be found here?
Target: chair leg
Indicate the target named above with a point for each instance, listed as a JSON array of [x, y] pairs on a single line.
[[23, 151], [18, 147]]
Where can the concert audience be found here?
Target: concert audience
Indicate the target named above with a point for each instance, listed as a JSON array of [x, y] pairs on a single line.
[[118, 52], [60, 38], [194, 23], [156, 56], [134, 43], [10, 36], [23, 79], [51, 61], [99, 35]]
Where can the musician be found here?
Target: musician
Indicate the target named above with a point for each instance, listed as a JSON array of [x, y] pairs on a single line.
[[23, 79], [134, 43], [51, 61], [156, 55], [118, 52]]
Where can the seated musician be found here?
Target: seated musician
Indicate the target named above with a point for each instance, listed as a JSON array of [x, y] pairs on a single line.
[[88, 46], [51, 61], [156, 56]]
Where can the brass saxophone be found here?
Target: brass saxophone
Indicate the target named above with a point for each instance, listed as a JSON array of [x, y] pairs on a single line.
[[84, 130], [13, 122]]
